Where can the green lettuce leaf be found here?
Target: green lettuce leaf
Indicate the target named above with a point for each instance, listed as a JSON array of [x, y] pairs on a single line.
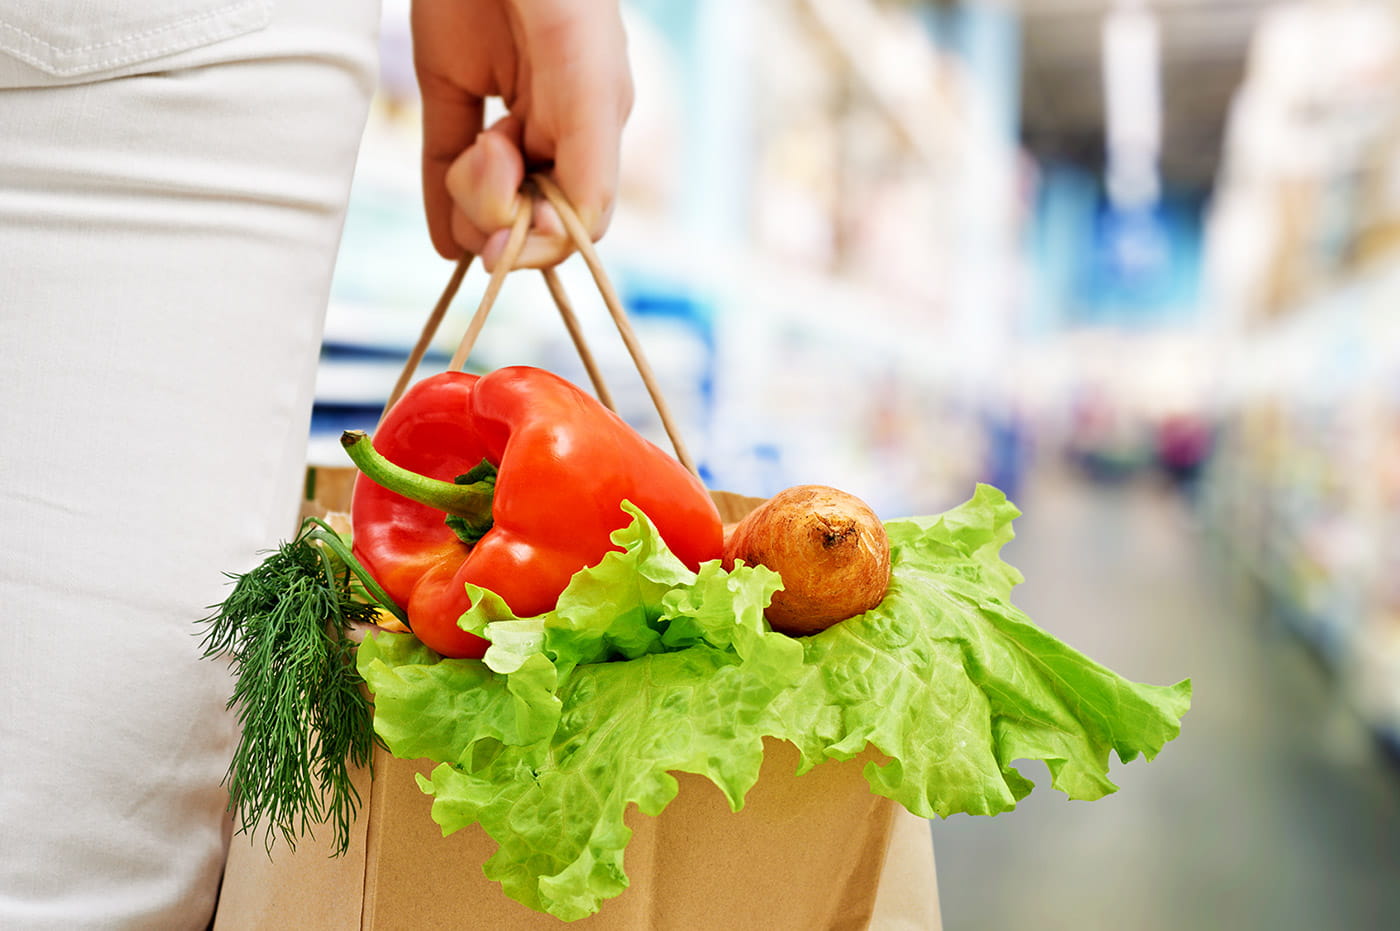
[[952, 682], [646, 668]]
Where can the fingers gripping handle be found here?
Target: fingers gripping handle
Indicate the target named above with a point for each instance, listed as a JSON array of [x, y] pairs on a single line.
[[540, 185]]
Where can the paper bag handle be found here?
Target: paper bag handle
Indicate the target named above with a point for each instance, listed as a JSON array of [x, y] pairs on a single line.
[[542, 185]]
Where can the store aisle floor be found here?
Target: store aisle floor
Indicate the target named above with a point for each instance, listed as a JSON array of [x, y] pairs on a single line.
[[1272, 810]]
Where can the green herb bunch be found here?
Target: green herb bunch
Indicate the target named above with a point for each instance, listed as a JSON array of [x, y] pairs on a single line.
[[304, 715]]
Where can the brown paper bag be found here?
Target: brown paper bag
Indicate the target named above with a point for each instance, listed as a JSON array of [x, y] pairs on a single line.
[[804, 852], [809, 852], [819, 851]]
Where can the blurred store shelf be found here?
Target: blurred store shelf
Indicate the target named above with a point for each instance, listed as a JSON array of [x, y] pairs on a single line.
[[1306, 488], [1304, 271]]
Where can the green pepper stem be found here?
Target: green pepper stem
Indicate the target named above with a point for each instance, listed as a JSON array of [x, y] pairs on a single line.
[[472, 502]]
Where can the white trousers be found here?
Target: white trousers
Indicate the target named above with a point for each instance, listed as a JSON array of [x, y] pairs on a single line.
[[170, 210]]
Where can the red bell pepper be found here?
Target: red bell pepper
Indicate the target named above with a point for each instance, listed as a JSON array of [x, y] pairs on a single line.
[[564, 464]]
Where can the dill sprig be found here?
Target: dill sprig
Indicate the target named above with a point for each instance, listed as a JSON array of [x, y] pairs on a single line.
[[305, 718]]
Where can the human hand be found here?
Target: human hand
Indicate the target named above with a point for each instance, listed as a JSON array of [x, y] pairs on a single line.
[[561, 68]]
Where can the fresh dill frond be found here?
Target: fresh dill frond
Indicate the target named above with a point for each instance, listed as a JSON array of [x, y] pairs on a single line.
[[305, 718]]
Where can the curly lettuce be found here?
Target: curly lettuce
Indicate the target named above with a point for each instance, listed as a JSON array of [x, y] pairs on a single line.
[[646, 668]]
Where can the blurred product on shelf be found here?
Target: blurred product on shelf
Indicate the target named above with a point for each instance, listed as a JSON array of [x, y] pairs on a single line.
[[1378, 228], [1183, 448]]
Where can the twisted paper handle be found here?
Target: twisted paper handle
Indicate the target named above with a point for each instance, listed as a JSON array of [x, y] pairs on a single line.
[[543, 186]]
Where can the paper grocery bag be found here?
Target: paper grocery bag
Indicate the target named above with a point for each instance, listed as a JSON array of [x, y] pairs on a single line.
[[817, 851], [806, 852]]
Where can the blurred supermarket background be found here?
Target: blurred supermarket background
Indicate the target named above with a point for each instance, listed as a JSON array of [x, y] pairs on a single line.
[[1136, 262]]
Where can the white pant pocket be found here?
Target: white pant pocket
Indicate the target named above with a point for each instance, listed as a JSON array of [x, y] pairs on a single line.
[[83, 38]]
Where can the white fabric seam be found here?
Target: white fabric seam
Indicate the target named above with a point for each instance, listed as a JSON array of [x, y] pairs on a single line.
[[60, 52], [193, 18]]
